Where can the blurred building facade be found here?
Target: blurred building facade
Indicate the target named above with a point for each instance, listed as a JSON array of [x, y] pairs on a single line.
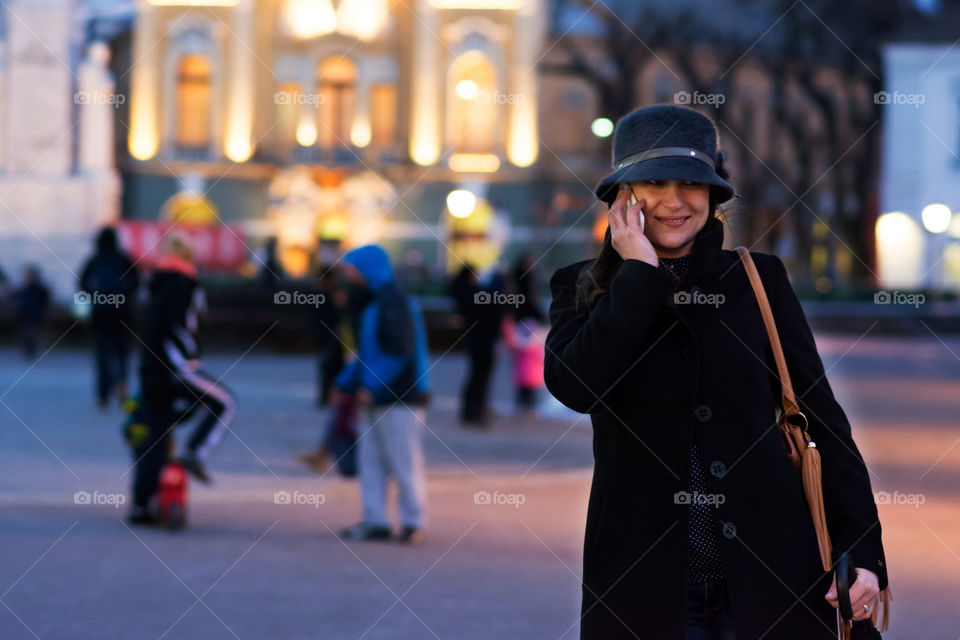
[[326, 123], [918, 235], [58, 180]]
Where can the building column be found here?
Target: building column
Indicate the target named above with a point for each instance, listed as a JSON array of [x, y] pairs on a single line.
[[238, 139], [144, 136], [523, 139], [427, 87]]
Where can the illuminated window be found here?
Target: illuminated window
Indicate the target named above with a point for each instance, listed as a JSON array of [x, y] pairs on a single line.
[[472, 106], [336, 91], [194, 93], [288, 111], [383, 114]]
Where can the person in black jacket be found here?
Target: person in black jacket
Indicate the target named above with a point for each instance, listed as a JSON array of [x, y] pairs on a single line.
[[478, 306], [33, 300], [109, 283], [172, 383], [697, 523]]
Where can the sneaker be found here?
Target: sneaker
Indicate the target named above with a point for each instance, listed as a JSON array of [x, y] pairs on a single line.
[[412, 535], [366, 531], [195, 468]]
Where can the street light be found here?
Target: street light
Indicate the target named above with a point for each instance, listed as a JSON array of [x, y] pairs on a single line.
[[602, 127], [936, 217], [461, 203]]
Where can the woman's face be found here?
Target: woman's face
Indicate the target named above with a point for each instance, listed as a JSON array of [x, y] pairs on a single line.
[[674, 213]]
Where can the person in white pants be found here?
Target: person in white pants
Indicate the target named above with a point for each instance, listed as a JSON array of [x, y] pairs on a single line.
[[391, 445], [389, 380]]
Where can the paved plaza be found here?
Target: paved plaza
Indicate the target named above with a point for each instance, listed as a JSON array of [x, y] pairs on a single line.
[[249, 567]]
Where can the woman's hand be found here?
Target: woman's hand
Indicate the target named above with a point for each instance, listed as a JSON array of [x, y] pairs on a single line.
[[863, 591], [626, 229]]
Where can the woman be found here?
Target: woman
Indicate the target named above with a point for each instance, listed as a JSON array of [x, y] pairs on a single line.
[[697, 525]]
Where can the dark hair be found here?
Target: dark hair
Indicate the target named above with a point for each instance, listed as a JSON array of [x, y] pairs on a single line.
[[594, 279]]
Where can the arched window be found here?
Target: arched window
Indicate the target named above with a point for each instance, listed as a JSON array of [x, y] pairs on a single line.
[[336, 88], [383, 99], [472, 108], [194, 94], [288, 101]]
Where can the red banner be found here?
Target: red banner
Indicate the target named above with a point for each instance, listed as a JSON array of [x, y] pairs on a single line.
[[217, 247]]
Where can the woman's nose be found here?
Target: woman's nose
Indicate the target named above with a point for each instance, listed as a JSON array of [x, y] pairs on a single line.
[[671, 196]]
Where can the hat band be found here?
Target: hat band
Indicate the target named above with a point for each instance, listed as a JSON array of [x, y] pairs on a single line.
[[664, 152]]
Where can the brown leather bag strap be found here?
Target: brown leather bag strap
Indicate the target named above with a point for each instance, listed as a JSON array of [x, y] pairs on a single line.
[[789, 400]]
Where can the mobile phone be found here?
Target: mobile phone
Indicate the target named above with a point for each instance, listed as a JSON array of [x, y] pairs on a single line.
[[632, 201]]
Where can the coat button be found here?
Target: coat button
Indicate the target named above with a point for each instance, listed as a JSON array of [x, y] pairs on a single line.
[[703, 412], [717, 469], [729, 530]]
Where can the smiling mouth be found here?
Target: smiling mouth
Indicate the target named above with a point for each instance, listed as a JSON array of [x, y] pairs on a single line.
[[674, 222]]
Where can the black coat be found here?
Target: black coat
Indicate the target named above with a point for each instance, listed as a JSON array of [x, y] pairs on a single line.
[[654, 374]]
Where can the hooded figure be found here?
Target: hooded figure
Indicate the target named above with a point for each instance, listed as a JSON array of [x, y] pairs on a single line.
[[391, 343], [388, 377]]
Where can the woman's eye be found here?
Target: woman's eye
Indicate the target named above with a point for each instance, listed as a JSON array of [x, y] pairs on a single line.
[[653, 183]]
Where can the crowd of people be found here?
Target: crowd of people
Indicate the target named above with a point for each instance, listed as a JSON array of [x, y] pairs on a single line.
[[373, 371]]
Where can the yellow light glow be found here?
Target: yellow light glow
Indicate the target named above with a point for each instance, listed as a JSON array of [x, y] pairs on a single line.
[[360, 132], [467, 89], [309, 18], [307, 133], [362, 19], [424, 152], [522, 145], [461, 203], [936, 217], [238, 149], [143, 138], [142, 143], [899, 250], [474, 162], [476, 4]]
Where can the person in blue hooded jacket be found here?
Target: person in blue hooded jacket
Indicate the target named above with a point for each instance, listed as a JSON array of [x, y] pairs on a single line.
[[388, 378]]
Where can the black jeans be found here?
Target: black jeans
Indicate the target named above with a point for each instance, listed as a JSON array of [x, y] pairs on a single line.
[[708, 611], [111, 346], [473, 397]]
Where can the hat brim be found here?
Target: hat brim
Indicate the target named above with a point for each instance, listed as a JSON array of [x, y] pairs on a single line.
[[668, 168]]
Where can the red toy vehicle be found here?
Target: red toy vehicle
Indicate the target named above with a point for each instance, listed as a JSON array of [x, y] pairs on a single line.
[[173, 495]]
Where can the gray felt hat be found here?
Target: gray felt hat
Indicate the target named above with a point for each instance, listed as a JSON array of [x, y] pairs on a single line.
[[665, 142]]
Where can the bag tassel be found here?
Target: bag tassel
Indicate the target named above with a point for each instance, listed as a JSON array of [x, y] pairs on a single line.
[[886, 597], [813, 488]]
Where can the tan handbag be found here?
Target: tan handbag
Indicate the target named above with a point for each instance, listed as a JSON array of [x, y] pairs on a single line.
[[793, 428]]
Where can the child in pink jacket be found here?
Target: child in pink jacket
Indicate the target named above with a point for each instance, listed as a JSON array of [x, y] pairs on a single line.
[[525, 339]]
